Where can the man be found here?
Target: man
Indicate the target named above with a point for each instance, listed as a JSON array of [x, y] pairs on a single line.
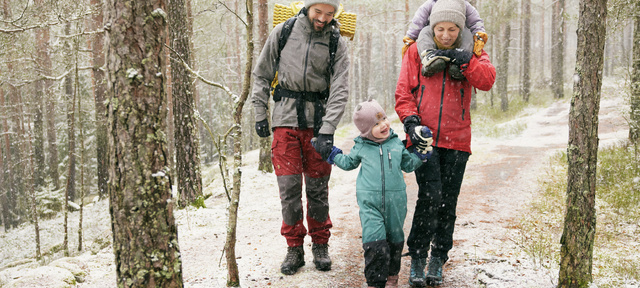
[[310, 97]]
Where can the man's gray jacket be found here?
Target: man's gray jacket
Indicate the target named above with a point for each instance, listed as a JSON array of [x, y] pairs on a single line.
[[303, 68]]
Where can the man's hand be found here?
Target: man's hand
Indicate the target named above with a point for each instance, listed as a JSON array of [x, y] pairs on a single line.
[[457, 56], [262, 128], [324, 145]]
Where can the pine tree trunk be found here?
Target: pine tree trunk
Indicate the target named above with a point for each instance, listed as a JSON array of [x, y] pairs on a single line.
[[526, 59], [233, 278], [3, 191], [502, 79], [72, 145], [7, 187], [145, 236], [68, 88], [365, 66], [32, 195], [99, 94], [542, 45], [82, 193], [186, 126], [265, 164], [557, 49], [576, 254], [634, 122]]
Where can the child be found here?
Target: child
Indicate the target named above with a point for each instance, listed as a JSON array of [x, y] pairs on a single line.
[[380, 190], [421, 20]]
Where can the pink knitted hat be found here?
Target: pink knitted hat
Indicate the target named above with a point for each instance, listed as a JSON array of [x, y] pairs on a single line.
[[367, 114]]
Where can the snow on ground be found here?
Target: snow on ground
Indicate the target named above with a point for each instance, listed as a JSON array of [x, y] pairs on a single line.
[[501, 178]]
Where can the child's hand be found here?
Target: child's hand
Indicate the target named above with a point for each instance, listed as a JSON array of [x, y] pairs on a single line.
[[423, 157], [334, 151], [407, 42], [480, 38]]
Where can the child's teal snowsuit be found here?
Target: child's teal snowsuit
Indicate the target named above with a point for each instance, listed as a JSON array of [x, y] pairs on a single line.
[[382, 199]]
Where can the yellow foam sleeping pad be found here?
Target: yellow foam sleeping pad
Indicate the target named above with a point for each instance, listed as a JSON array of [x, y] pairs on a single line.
[[347, 20]]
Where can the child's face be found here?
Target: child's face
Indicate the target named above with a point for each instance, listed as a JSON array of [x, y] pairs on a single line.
[[446, 33], [381, 129]]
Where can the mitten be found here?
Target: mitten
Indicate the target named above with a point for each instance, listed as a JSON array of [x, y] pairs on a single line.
[[334, 151], [425, 139], [262, 128], [407, 42], [324, 145], [423, 157], [479, 39], [457, 56]]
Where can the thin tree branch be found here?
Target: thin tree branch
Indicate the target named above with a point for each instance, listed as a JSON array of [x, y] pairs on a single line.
[[234, 13], [81, 34], [21, 15]]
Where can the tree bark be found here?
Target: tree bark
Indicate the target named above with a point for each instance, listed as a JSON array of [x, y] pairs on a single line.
[[44, 63], [186, 126], [233, 278], [265, 164], [634, 123], [32, 195], [557, 50], [68, 88], [526, 75], [502, 79], [145, 236], [82, 193], [7, 185], [99, 94], [576, 254]]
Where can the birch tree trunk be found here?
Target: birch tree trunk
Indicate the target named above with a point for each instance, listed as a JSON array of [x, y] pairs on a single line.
[[145, 237], [186, 127], [233, 278], [576, 253]]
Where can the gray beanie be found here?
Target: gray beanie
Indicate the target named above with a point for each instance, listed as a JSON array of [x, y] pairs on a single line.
[[334, 3], [449, 11], [367, 114]]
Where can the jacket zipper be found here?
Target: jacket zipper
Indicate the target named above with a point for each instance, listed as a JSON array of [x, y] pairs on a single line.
[[306, 62], [444, 80], [382, 175], [420, 102], [462, 102], [390, 165]]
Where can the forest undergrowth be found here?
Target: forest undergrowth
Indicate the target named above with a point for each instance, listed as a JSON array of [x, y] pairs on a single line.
[[616, 260]]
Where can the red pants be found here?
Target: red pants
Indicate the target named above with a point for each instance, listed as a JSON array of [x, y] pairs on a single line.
[[293, 156]]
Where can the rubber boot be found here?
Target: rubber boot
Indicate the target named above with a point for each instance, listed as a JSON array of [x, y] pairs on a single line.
[[417, 277], [434, 271], [293, 261], [321, 256], [392, 282]]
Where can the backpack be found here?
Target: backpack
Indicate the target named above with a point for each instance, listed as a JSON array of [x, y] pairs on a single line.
[[284, 36]]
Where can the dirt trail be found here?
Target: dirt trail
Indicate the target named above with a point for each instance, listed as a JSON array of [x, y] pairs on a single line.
[[499, 182]]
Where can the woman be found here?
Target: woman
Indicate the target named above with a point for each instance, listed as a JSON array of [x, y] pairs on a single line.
[[430, 97]]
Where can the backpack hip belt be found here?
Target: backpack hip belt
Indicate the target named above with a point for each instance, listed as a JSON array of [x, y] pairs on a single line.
[[301, 98]]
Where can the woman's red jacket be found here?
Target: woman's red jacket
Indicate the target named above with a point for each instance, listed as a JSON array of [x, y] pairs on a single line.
[[441, 102]]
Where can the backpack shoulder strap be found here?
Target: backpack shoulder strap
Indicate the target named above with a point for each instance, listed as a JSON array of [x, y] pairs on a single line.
[[333, 48], [284, 34]]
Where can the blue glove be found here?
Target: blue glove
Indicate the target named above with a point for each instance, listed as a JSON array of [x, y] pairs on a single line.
[[423, 157], [334, 151]]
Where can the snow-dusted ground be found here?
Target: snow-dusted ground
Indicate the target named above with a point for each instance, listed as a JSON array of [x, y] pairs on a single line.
[[501, 179]]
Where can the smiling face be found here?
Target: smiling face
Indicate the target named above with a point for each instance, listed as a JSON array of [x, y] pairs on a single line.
[[320, 15], [381, 129], [446, 33]]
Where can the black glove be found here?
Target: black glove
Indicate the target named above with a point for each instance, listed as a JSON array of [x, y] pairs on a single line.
[[457, 56], [410, 123], [420, 135], [324, 145], [262, 128]]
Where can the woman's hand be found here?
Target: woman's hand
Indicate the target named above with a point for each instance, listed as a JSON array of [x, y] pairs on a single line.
[[457, 56]]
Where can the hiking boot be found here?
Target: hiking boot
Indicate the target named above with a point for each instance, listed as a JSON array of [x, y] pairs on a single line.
[[436, 66], [293, 260], [456, 72], [392, 282], [434, 271], [321, 256], [417, 277]]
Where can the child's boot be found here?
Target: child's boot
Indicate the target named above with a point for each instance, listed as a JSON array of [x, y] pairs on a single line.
[[417, 277], [434, 272], [392, 282]]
